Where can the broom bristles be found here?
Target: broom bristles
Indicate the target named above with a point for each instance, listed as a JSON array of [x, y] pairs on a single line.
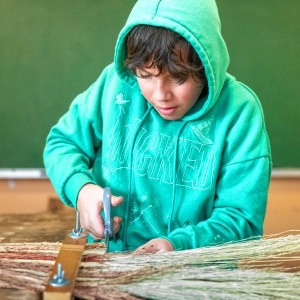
[[252, 269]]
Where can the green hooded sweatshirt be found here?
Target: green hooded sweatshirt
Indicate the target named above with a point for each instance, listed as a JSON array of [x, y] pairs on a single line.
[[198, 181]]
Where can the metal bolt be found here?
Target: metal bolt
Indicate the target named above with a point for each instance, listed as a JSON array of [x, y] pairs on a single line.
[[59, 278], [77, 231]]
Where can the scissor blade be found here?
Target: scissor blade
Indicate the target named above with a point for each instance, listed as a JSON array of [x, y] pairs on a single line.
[[108, 230], [106, 241]]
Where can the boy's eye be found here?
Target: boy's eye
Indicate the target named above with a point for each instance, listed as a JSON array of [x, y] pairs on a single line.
[[179, 81], [143, 76]]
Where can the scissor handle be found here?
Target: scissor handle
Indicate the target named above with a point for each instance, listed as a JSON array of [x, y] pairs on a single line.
[[108, 230]]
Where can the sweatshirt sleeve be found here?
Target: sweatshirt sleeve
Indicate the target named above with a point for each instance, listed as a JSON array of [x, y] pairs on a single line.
[[70, 149], [242, 182], [239, 208]]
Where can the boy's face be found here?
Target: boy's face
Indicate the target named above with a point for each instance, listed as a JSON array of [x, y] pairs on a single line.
[[171, 99]]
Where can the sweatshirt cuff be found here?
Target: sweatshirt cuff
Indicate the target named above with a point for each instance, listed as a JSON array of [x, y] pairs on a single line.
[[180, 241], [74, 185]]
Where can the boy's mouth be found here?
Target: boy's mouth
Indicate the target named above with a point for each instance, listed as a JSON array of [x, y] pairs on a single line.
[[166, 110]]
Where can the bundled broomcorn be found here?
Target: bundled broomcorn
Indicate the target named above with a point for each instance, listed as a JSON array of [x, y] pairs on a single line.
[[268, 268]]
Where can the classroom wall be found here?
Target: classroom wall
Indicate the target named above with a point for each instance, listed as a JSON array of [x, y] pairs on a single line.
[[37, 195], [283, 210]]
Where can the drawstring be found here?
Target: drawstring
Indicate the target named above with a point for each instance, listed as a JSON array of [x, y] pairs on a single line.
[[174, 177], [131, 176]]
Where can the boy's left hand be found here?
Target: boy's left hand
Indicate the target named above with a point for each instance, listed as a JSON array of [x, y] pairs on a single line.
[[158, 245]]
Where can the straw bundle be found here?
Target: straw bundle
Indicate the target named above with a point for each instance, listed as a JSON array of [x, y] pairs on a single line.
[[268, 268]]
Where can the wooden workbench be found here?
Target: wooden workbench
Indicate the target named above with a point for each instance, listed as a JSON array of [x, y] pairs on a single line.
[[26, 228], [48, 226], [52, 227]]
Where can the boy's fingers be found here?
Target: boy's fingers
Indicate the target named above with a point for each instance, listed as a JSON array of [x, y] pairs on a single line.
[[94, 225], [116, 200], [117, 221]]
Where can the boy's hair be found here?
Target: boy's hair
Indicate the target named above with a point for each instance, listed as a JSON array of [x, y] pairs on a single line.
[[158, 46]]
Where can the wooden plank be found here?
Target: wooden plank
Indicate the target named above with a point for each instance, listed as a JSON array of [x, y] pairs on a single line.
[[69, 257]]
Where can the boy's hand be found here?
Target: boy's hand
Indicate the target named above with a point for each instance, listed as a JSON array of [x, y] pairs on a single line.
[[158, 245], [90, 204]]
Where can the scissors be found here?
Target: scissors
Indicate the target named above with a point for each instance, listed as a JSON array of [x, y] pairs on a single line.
[[108, 223]]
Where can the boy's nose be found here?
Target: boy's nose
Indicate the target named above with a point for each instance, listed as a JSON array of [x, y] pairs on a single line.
[[162, 92]]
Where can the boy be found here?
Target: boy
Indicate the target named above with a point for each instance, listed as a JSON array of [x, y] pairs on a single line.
[[180, 142]]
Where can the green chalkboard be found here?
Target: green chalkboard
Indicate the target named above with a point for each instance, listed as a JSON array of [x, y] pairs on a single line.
[[52, 50], [264, 44]]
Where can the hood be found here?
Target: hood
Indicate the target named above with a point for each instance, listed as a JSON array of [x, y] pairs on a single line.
[[198, 22]]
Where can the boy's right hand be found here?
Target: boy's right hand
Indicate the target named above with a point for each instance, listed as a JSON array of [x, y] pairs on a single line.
[[89, 205]]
